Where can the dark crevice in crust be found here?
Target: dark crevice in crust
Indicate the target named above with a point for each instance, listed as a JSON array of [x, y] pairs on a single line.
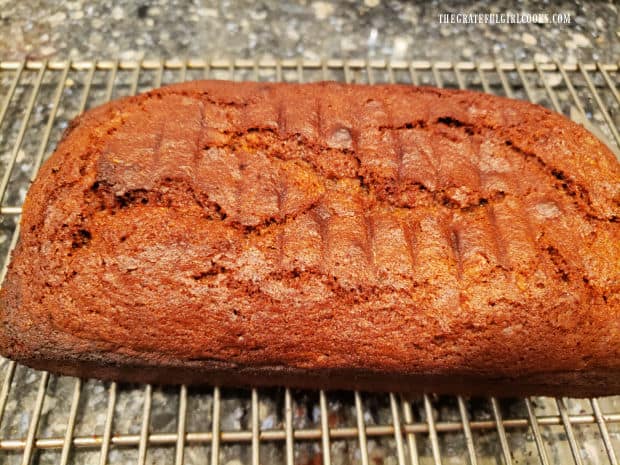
[[571, 188], [561, 181], [419, 124], [101, 197], [560, 263], [455, 244]]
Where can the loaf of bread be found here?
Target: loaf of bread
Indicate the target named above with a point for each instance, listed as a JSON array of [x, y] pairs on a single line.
[[379, 237]]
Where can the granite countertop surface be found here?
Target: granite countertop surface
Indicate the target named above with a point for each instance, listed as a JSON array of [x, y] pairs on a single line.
[[129, 30]]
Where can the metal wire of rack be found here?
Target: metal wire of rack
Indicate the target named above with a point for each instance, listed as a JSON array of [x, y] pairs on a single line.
[[51, 419]]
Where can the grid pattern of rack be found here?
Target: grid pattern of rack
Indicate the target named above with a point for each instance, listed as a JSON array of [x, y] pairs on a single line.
[[49, 419]]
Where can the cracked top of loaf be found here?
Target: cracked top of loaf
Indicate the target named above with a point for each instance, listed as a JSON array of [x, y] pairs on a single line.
[[324, 225]]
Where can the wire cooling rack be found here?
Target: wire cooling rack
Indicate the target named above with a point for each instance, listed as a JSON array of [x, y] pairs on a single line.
[[49, 419]]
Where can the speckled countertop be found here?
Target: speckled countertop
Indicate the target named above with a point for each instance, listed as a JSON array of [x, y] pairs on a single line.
[[372, 28]]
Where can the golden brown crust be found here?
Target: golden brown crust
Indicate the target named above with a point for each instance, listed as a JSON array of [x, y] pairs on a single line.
[[377, 237]]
